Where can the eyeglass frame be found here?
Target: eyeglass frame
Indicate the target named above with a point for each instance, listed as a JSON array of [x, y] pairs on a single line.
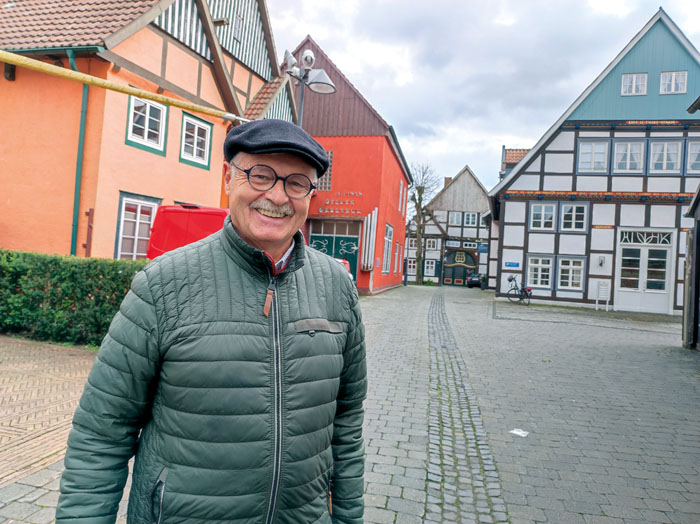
[[312, 186]]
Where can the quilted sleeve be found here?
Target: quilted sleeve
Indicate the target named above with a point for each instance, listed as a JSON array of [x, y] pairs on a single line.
[[348, 448], [112, 409]]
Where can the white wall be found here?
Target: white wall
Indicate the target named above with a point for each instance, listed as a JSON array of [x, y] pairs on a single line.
[[514, 211]]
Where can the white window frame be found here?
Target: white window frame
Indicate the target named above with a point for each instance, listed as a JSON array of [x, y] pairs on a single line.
[[693, 144], [411, 243], [158, 145], [574, 264], [470, 219], [411, 266], [454, 218], [628, 144], [594, 144], [543, 205], [396, 258], [198, 124], [573, 227], [638, 79], [536, 263], [388, 243], [482, 222], [139, 205], [400, 196], [431, 243], [429, 268], [665, 143], [674, 78]]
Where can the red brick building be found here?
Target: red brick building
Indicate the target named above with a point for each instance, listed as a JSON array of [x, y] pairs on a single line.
[[359, 212]]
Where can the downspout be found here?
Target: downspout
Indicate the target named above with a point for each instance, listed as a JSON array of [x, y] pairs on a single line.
[[79, 159]]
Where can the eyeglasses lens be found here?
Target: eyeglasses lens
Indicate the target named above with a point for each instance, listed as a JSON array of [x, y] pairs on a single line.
[[263, 178]]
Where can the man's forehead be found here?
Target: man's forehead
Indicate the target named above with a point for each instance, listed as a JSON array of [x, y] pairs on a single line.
[[274, 159]]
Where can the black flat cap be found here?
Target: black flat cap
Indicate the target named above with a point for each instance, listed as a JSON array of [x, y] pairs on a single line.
[[275, 136]]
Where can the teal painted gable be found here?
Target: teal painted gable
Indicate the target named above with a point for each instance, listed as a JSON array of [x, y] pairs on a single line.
[[656, 52]]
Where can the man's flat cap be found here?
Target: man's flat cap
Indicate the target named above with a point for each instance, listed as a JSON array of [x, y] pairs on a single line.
[[275, 136]]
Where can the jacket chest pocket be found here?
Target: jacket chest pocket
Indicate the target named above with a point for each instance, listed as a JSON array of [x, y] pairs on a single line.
[[320, 336]]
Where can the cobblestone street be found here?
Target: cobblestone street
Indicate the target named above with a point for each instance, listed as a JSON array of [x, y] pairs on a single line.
[[606, 403]]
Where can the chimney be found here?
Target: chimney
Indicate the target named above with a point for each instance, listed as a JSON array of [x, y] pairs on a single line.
[[448, 179]]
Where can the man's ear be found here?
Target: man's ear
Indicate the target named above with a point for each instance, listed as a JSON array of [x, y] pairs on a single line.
[[227, 177]]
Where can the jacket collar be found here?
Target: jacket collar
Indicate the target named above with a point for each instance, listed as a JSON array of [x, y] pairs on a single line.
[[254, 260]]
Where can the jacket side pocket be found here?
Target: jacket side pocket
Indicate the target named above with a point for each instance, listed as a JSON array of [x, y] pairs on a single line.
[[157, 497]]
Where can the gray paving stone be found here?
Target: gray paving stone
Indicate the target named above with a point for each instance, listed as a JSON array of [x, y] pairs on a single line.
[[18, 510], [41, 478]]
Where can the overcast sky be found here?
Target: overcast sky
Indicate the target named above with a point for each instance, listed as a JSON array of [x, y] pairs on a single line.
[[458, 79]]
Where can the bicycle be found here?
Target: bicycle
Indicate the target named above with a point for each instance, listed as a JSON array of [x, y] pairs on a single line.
[[517, 293]]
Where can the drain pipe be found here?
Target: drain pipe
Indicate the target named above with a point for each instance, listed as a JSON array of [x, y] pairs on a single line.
[[79, 160]]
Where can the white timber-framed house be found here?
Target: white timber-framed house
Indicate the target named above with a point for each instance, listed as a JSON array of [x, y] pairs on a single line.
[[595, 211]]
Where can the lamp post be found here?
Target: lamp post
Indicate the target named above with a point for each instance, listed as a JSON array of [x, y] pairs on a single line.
[[316, 79]]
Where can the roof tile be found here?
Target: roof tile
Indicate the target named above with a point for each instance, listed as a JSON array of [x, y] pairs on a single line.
[[32, 24], [262, 99], [513, 156]]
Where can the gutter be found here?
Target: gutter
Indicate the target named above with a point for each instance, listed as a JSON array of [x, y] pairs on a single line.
[[79, 159]]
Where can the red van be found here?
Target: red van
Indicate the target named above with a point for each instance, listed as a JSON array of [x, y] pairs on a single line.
[[181, 224]]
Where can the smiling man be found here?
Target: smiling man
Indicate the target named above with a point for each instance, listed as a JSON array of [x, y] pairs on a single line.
[[235, 370]]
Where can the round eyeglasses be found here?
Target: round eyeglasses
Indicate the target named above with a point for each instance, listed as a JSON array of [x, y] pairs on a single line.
[[264, 178]]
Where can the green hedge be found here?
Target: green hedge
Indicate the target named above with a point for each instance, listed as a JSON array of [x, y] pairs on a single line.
[[62, 299]]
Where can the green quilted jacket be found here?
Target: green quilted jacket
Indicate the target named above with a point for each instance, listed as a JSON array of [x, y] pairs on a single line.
[[233, 416]]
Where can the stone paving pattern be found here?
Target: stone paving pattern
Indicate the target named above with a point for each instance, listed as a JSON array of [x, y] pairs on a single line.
[[610, 402]]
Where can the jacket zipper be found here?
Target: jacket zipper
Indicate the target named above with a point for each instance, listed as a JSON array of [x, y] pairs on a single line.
[[277, 371], [160, 482]]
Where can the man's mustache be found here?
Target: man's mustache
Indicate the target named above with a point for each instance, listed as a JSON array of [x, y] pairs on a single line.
[[266, 205]]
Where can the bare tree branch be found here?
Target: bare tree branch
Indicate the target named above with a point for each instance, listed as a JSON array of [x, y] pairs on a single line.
[[425, 185]]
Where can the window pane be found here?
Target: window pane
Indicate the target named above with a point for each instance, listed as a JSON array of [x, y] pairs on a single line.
[[127, 245]]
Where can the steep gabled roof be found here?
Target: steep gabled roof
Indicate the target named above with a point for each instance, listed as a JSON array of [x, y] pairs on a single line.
[[660, 16], [40, 24], [466, 171]]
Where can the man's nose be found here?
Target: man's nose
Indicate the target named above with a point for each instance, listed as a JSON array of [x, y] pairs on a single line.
[[276, 193]]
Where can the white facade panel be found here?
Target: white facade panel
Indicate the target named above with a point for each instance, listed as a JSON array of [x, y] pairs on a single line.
[[470, 232], [493, 267], [630, 134], [681, 267], [563, 142], [494, 248], [512, 257], [602, 239], [595, 266], [540, 243], [570, 294], [664, 184], [558, 183], [627, 183], [483, 233], [542, 293], [679, 294], [592, 183], [482, 269], [535, 165], [440, 215], [686, 221], [495, 229], [603, 214], [505, 285], [682, 240], [632, 215], [432, 254], [572, 244], [593, 289], [514, 235], [527, 183], [431, 229], [559, 163], [594, 134], [454, 231], [666, 133], [514, 212], [691, 184], [663, 216], [693, 133]]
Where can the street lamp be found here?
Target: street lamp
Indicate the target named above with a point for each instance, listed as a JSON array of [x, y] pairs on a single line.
[[316, 79]]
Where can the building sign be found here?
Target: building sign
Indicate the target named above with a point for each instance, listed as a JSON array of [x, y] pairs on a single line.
[[603, 227], [452, 243], [340, 204], [483, 247], [651, 122], [513, 264]]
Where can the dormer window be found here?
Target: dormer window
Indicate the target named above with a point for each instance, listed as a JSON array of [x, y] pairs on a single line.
[[674, 82], [634, 84]]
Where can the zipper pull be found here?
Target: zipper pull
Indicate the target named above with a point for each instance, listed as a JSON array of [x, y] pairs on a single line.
[[268, 296]]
